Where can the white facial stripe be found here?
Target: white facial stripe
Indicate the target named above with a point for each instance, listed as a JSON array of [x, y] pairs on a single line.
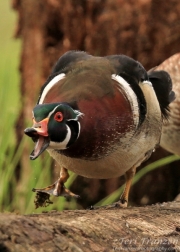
[[79, 129], [52, 111], [131, 96], [62, 145], [78, 113], [53, 82]]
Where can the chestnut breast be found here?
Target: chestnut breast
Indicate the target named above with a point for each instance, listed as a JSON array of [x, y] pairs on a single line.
[[104, 123]]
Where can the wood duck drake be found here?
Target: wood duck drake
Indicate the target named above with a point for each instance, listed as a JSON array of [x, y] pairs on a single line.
[[170, 139], [99, 117]]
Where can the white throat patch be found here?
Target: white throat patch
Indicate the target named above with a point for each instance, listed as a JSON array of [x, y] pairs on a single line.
[[53, 82], [62, 145], [125, 86]]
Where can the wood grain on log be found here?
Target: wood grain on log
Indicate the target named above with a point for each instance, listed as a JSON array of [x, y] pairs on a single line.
[[151, 228]]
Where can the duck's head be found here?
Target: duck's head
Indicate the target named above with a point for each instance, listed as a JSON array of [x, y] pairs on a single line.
[[55, 126]]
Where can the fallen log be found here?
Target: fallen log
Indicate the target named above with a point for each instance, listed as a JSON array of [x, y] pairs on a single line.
[[149, 228]]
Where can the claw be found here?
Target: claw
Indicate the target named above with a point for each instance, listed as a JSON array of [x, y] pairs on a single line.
[[57, 189], [121, 204], [49, 189]]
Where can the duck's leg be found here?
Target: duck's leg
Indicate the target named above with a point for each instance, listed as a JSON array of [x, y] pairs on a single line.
[[58, 188], [123, 202]]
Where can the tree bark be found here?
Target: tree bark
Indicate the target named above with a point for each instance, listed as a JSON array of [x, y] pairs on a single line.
[[150, 228]]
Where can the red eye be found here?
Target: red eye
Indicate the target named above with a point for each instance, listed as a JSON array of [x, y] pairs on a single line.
[[58, 117]]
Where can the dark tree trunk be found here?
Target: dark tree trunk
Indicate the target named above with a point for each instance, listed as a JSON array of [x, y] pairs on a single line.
[[145, 30]]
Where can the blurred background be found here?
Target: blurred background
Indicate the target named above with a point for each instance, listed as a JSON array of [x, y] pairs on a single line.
[[34, 34]]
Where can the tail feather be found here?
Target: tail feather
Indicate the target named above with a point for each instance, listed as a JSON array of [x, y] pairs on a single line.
[[162, 85]]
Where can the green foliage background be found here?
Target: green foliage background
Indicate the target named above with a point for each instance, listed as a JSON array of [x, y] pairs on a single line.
[[9, 100]]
